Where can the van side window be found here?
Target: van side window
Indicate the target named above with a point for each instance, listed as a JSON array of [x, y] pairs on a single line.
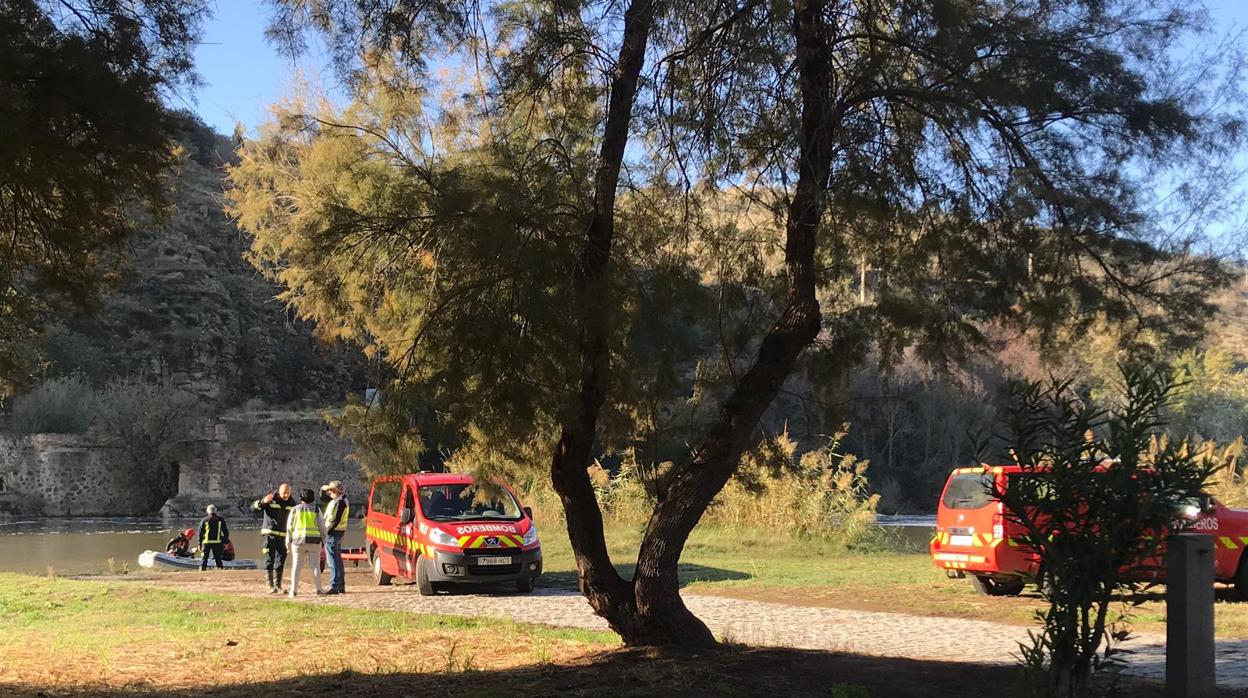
[[386, 498], [1037, 485], [968, 491]]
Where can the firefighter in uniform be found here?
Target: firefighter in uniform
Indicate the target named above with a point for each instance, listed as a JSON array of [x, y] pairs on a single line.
[[304, 533], [276, 507], [213, 534], [337, 511]]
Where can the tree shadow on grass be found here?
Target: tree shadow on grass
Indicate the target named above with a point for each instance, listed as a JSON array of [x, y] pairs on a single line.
[[627, 673], [687, 573]]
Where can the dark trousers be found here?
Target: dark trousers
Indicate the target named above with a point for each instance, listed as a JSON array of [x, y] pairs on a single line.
[[274, 558], [217, 550]]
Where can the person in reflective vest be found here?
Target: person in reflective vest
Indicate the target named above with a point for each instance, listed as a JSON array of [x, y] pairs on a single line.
[[213, 534], [276, 507], [304, 533], [337, 511]]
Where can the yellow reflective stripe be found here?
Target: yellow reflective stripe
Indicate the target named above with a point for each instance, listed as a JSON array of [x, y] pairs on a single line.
[[463, 540], [1228, 543]]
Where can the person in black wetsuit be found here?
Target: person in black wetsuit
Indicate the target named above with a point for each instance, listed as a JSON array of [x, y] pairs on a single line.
[[180, 545]]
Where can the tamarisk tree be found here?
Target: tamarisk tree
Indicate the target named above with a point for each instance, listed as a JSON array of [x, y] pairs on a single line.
[[87, 137], [562, 225]]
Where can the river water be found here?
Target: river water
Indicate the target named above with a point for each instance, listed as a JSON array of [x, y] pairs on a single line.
[[112, 544], [87, 545]]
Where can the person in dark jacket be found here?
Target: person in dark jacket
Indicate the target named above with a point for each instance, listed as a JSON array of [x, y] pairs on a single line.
[[180, 545], [276, 507], [213, 535]]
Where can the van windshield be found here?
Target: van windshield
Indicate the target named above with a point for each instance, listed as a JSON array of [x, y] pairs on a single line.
[[464, 502], [968, 491]]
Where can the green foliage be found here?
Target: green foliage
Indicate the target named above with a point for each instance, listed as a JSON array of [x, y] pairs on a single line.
[[87, 137], [821, 493], [1099, 487], [443, 237], [930, 167], [1212, 398], [149, 422], [386, 443], [65, 405]]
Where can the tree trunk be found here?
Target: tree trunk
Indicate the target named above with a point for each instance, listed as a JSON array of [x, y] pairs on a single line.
[[665, 619], [609, 594], [649, 610]]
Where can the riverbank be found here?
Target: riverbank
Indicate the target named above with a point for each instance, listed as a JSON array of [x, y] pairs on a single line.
[[120, 638]]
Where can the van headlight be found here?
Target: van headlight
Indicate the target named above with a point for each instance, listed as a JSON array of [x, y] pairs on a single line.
[[441, 537], [530, 536]]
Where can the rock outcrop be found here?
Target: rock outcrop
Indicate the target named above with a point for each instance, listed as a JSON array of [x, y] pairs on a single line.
[[239, 457]]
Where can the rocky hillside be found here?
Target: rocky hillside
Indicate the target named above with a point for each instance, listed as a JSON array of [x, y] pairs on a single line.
[[189, 311]]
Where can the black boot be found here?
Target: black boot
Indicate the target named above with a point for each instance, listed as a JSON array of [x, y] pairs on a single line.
[[269, 574]]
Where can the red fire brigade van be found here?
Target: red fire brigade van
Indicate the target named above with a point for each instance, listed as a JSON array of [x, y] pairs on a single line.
[[437, 529], [974, 537]]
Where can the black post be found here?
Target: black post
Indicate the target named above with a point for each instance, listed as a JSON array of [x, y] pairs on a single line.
[[1189, 616]]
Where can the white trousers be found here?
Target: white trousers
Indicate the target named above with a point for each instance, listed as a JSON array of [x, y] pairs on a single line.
[[297, 553]]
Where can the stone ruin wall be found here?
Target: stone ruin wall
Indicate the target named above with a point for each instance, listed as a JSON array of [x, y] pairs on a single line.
[[238, 458]]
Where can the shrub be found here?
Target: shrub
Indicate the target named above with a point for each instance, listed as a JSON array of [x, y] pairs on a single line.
[[821, 493], [65, 405], [1099, 487], [148, 422]]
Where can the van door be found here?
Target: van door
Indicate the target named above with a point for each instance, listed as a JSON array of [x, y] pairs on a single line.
[[383, 524], [411, 551]]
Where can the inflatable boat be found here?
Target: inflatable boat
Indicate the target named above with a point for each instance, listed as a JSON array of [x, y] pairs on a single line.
[[152, 559]]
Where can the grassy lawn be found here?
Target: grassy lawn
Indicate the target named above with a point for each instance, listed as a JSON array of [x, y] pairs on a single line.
[[753, 565], [70, 632], [65, 637]]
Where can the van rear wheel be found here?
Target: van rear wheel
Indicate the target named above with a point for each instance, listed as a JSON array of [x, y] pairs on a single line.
[[1011, 586], [379, 574]]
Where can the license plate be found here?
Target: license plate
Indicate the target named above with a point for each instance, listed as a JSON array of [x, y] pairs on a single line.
[[493, 561], [960, 540]]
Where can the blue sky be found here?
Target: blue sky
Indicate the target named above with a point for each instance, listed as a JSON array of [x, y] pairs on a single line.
[[243, 73]]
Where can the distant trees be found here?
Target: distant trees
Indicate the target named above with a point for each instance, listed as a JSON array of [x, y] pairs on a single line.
[[602, 227], [86, 137]]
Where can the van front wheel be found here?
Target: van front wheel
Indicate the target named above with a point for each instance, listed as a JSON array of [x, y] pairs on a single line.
[[1241, 577], [988, 586], [423, 585]]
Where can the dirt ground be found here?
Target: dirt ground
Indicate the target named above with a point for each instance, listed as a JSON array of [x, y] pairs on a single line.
[[627, 673]]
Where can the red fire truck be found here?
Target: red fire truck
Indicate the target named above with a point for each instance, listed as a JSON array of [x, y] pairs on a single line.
[[442, 528], [975, 539]]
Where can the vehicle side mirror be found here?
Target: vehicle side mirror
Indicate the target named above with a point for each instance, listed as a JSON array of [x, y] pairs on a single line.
[[1207, 504], [528, 511], [406, 516]]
